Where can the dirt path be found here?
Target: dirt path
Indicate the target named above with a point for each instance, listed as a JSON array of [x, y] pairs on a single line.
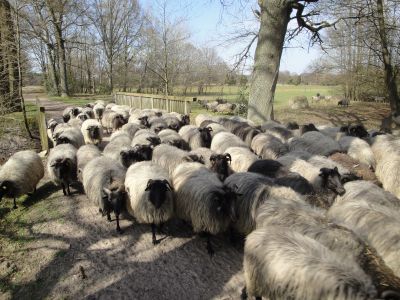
[[53, 108]]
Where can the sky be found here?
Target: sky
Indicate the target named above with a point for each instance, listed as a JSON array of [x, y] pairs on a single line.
[[210, 24]]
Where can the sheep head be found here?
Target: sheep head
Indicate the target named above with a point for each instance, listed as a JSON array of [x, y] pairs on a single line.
[[144, 121], [220, 164], [113, 198], [205, 134], [94, 132], [64, 168], [5, 187], [158, 190], [331, 180]]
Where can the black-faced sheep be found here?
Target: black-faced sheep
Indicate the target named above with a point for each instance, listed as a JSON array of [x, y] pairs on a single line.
[[224, 140], [84, 155], [20, 174], [62, 166], [112, 120], [71, 136], [150, 194], [103, 181], [171, 137], [241, 158], [196, 137], [268, 167], [316, 143], [268, 146]]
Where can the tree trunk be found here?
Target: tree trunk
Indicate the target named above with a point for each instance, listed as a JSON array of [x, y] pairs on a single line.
[[52, 70], [62, 63], [275, 16], [389, 76]]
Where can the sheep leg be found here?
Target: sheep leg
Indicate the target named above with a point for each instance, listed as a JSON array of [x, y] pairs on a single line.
[[109, 216], [63, 187], [69, 192], [243, 295], [209, 247], [118, 228], [153, 231], [15, 204]]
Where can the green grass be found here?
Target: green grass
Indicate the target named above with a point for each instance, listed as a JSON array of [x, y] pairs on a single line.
[[14, 121]]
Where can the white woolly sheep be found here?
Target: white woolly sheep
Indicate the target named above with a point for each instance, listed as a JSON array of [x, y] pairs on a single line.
[[171, 137], [200, 118], [170, 157], [71, 136], [130, 129], [62, 166], [20, 174], [112, 120], [77, 123], [358, 149], [98, 110], [103, 182], [315, 143], [92, 132], [102, 102], [145, 137], [226, 108], [224, 140], [70, 113], [84, 155], [283, 264], [150, 195], [241, 158], [83, 117], [378, 224], [268, 146], [196, 137], [202, 199], [218, 163]]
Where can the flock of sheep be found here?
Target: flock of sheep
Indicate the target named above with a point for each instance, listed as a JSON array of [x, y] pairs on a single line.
[[318, 206]]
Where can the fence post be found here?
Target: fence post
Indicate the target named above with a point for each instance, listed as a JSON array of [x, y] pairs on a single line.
[[152, 102], [140, 102], [41, 115]]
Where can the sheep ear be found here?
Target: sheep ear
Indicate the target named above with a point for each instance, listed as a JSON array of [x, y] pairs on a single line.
[[67, 161], [106, 192], [149, 184], [335, 169], [209, 129], [169, 187], [213, 157], [323, 172], [228, 157]]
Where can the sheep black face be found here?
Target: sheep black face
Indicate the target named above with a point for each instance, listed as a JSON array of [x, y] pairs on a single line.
[[129, 156], [144, 152], [158, 128], [75, 111], [206, 136], [158, 190], [332, 180], [158, 114], [154, 141], [82, 117], [5, 187], [220, 164], [66, 118], [358, 131], [292, 125], [65, 170], [194, 158], [52, 125], [118, 122], [113, 199], [222, 204], [185, 120], [63, 140], [99, 112], [94, 132], [174, 125], [144, 121]]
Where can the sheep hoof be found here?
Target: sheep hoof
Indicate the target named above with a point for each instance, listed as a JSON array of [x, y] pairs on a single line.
[[15, 207], [120, 231], [156, 242], [243, 295]]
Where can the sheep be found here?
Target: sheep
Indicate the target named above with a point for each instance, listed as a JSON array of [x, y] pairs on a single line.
[[62, 166], [218, 163], [145, 137], [139, 120], [200, 118], [306, 128], [344, 102], [246, 133], [109, 106], [173, 122], [157, 124], [230, 124], [88, 111], [150, 195], [268, 167], [282, 264], [77, 123], [130, 129], [292, 125], [83, 117], [357, 130], [280, 133], [215, 128], [71, 136], [313, 223], [84, 155], [358, 149], [378, 224], [334, 133], [69, 112], [226, 108], [98, 110], [103, 182], [169, 157], [120, 149], [51, 125], [92, 132], [212, 105], [323, 162], [196, 137], [224, 140], [101, 102], [316, 143], [360, 170], [300, 185], [20, 175], [171, 137], [241, 158], [113, 120], [268, 146], [182, 118], [202, 199]]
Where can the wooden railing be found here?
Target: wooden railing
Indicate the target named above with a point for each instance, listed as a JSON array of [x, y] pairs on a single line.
[[41, 118], [169, 103]]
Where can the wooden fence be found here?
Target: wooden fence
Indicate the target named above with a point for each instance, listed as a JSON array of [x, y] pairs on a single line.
[[169, 103], [41, 118]]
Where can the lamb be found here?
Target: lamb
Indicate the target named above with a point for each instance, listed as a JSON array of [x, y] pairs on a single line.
[[268, 167], [84, 155], [358, 149], [92, 132], [378, 224], [113, 120], [283, 264], [20, 175], [241, 158], [103, 182], [196, 137], [71, 136], [316, 143], [224, 140], [150, 194], [98, 110], [268, 146], [312, 222], [170, 157], [62, 166], [202, 199], [171, 137]]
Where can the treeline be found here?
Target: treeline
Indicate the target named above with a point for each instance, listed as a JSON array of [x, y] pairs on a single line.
[[97, 46]]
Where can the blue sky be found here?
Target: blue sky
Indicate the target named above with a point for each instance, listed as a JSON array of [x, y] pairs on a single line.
[[210, 24]]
